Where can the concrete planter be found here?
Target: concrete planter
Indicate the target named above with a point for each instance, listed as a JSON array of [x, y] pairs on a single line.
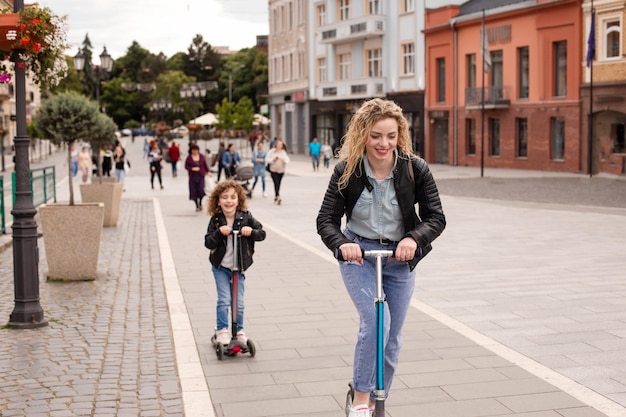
[[109, 193], [71, 235]]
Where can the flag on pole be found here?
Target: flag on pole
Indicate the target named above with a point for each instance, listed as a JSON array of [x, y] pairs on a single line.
[[591, 40], [484, 42]]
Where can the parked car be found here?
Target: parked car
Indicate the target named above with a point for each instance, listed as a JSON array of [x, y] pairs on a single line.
[[180, 131]]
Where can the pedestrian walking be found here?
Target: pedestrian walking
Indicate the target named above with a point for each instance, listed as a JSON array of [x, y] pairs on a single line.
[[197, 168], [84, 163], [277, 159], [107, 161], [376, 185], [327, 152], [155, 159], [315, 148], [174, 154], [119, 157], [258, 166], [220, 154], [230, 160], [228, 209]]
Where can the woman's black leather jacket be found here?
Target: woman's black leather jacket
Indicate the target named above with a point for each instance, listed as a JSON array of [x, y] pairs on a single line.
[[216, 241], [419, 188]]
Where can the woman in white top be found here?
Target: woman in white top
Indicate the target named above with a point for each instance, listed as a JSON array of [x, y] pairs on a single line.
[[277, 159]]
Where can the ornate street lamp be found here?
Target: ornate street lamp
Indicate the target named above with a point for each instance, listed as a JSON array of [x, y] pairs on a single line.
[[27, 312], [106, 64]]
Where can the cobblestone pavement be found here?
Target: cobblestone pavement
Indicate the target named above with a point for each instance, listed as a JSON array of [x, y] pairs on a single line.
[[107, 350]]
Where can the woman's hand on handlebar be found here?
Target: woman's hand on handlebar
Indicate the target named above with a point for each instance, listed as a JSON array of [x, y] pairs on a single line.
[[351, 252], [405, 251]]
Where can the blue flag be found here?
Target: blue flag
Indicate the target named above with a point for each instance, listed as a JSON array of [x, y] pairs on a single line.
[[591, 40]]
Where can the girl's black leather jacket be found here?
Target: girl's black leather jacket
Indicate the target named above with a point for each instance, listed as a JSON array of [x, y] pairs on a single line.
[[216, 241], [419, 188]]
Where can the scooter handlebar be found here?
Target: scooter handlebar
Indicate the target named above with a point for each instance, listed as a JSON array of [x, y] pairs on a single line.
[[379, 252]]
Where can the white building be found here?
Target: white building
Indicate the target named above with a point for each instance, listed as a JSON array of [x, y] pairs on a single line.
[[327, 56]]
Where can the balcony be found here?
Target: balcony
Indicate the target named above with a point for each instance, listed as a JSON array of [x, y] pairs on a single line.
[[351, 89], [496, 97], [347, 30]]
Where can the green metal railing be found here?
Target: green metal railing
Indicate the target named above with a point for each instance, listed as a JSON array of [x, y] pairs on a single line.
[[3, 228], [42, 185]]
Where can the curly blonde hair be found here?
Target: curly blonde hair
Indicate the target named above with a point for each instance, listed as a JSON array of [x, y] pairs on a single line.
[[370, 113], [213, 207]]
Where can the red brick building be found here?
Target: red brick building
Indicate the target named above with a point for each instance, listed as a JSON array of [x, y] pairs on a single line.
[[530, 115]]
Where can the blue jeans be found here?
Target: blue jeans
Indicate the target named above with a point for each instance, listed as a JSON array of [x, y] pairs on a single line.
[[120, 174], [223, 278], [398, 286], [256, 178], [315, 160]]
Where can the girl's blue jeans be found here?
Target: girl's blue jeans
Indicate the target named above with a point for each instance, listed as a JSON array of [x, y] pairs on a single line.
[[223, 278], [398, 286], [256, 178]]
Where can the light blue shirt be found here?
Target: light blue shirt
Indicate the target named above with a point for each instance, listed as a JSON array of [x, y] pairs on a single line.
[[377, 214]]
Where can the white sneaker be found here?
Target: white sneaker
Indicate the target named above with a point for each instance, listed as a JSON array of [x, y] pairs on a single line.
[[241, 337], [360, 411], [222, 336], [264, 194]]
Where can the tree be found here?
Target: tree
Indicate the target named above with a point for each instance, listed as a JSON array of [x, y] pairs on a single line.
[[65, 118], [201, 61], [235, 116]]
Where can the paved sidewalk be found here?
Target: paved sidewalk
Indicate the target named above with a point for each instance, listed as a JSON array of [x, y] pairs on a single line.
[[484, 339]]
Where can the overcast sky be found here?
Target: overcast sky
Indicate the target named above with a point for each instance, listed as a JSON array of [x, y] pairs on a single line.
[[166, 26]]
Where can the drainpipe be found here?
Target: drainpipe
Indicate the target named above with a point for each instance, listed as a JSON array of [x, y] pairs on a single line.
[[455, 88]]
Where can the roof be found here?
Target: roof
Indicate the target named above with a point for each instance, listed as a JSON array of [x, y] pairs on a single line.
[[475, 6]]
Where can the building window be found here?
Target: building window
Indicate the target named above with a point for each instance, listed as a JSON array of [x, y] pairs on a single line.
[[557, 138], [471, 71], [300, 12], [321, 70], [345, 66], [523, 69], [494, 137], [560, 69], [321, 15], [374, 63], [497, 69], [374, 6], [470, 136], [275, 21], [407, 6], [441, 80], [344, 9], [290, 16], [613, 33], [521, 137], [408, 59]]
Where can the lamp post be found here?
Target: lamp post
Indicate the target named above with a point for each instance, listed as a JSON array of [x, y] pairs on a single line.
[[230, 83], [27, 312], [106, 64]]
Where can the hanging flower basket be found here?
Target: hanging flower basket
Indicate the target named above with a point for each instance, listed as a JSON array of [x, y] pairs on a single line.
[[34, 39]]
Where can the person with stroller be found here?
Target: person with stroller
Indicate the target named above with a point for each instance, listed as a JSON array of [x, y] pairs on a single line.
[[228, 209], [258, 162], [376, 185], [277, 159], [230, 159], [197, 168]]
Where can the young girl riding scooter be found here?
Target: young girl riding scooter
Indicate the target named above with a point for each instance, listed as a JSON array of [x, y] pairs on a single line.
[[228, 209]]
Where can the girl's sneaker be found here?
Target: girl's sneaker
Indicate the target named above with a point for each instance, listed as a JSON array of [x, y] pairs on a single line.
[[222, 336], [241, 337], [360, 411]]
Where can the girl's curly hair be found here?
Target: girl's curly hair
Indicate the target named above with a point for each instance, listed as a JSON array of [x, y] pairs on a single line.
[[370, 112], [222, 186]]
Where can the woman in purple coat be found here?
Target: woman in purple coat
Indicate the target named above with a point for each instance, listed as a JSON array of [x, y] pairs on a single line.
[[196, 166]]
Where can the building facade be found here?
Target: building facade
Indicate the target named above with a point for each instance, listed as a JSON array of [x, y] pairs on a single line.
[[518, 104], [606, 97], [327, 56]]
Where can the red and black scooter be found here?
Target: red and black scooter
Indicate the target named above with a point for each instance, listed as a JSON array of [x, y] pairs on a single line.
[[235, 346]]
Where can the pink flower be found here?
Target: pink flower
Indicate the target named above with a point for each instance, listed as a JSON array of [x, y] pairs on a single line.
[[5, 78]]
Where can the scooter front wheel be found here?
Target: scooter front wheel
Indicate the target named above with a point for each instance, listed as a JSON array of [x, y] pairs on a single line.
[[219, 350], [349, 398], [251, 348]]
